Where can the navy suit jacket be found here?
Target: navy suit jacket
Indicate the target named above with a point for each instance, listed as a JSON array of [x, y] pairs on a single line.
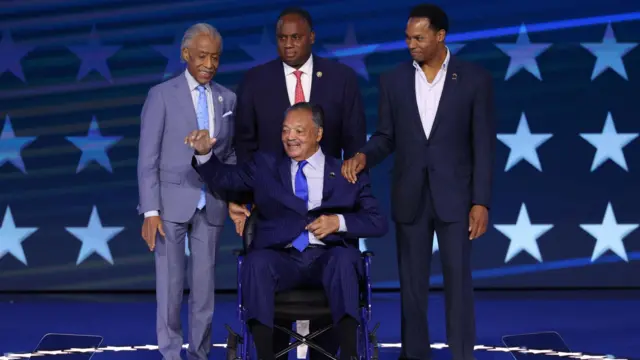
[[456, 163], [263, 99], [283, 216]]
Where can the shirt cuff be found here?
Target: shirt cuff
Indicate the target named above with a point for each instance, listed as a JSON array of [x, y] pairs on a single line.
[[201, 159], [343, 225], [151, 213]]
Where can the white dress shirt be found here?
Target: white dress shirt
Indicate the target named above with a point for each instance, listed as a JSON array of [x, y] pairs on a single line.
[[428, 94], [314, 172], [305, 78], [193, 88]]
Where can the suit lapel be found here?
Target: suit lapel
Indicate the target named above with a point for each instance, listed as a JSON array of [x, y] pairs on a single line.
[[289, 199], [316, 81], [185, 101], [279, 82], [218, 104], [413, 100], [448, 93], [331, 170]]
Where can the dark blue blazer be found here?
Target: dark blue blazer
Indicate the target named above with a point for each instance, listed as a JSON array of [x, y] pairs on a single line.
[[283, 216], [456, 163], [262, 101]]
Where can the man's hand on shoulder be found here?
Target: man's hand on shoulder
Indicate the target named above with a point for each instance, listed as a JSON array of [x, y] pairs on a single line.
[[324, 225], [352, 167]]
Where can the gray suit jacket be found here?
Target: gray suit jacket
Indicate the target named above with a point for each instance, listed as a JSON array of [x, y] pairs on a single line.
[[166, 180]]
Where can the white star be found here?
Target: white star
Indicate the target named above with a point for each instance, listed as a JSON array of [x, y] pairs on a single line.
[[11, 237], [609, 235], [523, 235], [523, 54], [609, 54], [94, 238], [523, 145], [609, 144]]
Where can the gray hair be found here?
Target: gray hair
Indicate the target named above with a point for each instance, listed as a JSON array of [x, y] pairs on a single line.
[[317, 114], [198, 29]]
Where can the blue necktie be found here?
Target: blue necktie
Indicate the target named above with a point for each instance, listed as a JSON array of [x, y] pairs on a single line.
[[202, 113], [302, 191]]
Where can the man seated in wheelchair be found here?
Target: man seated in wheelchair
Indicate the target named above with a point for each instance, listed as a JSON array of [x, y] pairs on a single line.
[[310, 218]]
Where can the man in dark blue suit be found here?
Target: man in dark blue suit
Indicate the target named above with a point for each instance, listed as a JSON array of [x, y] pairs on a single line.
[[309, 225], [267, 90], [437, 114]]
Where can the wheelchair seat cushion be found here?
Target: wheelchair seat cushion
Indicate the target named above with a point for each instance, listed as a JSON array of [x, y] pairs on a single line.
[[302, 304]]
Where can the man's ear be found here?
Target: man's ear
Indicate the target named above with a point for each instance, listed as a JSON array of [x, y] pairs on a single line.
[[320, 133], [185, 54], [312, 37]]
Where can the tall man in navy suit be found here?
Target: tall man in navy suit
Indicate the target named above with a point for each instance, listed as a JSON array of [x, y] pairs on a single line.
[[437, 114], [173, 198], [309, 225], [297, 76]]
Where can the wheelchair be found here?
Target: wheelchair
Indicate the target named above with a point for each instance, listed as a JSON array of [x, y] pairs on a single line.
[[300, 304]]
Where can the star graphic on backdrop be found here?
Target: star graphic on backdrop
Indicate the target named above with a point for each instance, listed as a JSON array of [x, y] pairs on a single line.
[[523, 54], [11, 146], [94, 146], [454, 48], [356, 62], [609, 54], [172, 53], [362, 244], [94, 56], [186, 245], [609, 144], [264, 51], [523, 145], [523, 235], [12, 54], [11, 237], [436, 245], [94, 238], [609, 235]]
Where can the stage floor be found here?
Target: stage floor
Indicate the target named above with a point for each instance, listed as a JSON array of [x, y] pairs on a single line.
[[604, 323]]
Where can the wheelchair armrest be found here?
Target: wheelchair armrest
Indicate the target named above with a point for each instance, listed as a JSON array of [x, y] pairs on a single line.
[[368, 254]]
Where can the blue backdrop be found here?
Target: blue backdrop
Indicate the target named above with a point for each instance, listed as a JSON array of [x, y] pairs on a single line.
[[74, 75]]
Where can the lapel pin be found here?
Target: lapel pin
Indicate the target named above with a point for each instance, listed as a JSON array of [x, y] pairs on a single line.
[[220, 98], [454, 76], [332, 174], [319, 74]]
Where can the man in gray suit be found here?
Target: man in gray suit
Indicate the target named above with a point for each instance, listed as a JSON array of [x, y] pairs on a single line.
[[174, 199]]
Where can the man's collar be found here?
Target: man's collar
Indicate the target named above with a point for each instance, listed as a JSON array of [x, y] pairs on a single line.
[[316, 160], [445, 64], [192, 82], [306, 68]]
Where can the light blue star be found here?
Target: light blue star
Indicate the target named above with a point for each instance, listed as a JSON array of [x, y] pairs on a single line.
[[362, 244], [436, 245], [94, 238], [186, 245], [94, 146], [609, 144], [11, 55], [172, 53], [455, 48], [264, 51], [523, 145], [523, 54], [523, 235], [609, 235], [609, 54], [11, 146], [356, 62], [11, 238], [94, 56]]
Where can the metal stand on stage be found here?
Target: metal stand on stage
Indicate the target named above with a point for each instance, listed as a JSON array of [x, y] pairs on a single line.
[[67, 347]]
